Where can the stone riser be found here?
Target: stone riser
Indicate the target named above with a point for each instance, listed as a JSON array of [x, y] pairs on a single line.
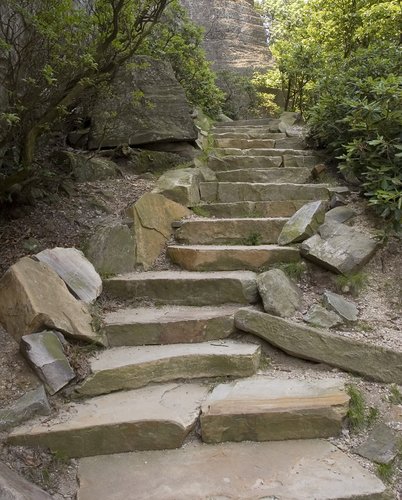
[[253, 209], [226, 258], [283, 175], [229, 231], [249, 135]]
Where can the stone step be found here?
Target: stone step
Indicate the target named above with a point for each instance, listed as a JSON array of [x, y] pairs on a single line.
[[185, 288], [244, 162], [245, 143], [295, 175], [229, 258], [267, 128], [168, 325], [266, 152], [256, 122], [117, 423], [288, 470], [267, 409], [229, 231], [122, 368], [255, 134], [229, 192], [257, 209], [262, 142]]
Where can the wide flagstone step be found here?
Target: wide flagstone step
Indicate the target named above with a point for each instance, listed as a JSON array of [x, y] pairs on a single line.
[[229, 231], [255, 122], [122, 368], [294, 174], [284, 208], [216, 163], [229, 192], [266, 409], [185, 288], [267, 152], [153, 418], [253, 134], [244, 143], [228, 258], [289, 470], [168, 325]]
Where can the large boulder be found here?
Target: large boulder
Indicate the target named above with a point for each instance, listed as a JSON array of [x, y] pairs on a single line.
[[86, 168], [111, 249], [339, 248], [44, 352], [153, 215], [146, 104], [303, 224], [181, 185], [279, 294], [33, 298], [75, 270]]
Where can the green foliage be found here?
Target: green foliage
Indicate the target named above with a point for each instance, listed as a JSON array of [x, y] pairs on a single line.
[[294, 270], [266, 99], [200, 211], [253, 239], [357, 410], [240, 95], [354, 283], [386, 471], [395, 395]]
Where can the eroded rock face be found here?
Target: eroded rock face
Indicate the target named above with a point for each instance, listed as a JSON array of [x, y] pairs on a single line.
[[159, 113], [235, 38]]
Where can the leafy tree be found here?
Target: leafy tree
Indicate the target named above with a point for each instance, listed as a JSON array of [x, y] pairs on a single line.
[[51, 52]]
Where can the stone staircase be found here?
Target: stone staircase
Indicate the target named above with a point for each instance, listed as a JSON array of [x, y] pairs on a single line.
[[171, 370]]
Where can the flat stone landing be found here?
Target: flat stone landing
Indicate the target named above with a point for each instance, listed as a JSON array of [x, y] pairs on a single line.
[[297, 470]]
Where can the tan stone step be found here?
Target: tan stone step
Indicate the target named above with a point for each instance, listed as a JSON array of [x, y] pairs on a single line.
[[259, 209], [228, 258], [295, 175], [254, 134], [274, 409], [289, 470], [266, 152], [185, 288], [244, 143], [229, 231], [241, 162], [297, 161], [168, 325], [158, 417], [254, 122], [122, 368], [229, 192]]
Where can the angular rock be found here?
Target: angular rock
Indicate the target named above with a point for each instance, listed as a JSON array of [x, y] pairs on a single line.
[[372, 361], [133, 367], [85, 168], [44, 352], [303, 224], [281, 174], [279, 294], [337, 200], [186, 288], [153, 215], [340, 214], [15, 487], [29, 405], [229, 231], [382, 445], [161, 114], [112, 249], [117, 423], [75, 270], [344, 308], [231, 257], [264, 409], [168, 325], [181, 185], [339, 248], [287, 470], [322, 318], [33, 297]]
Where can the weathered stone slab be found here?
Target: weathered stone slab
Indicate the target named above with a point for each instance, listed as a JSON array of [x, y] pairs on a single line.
[[29, 405], [268, 152], [15, 487], [75, 270], [111, 249], [280, 296], [229, 192], [265, 409], [297, 161], [244, 162], [372, 361], [231, 257], [186, 288], [340, 214], [382, 445], [339, 248], [304, 223], [181, 185], [44, 352], [322, 318], [344, 308], [33, 297], [244, 143], [299, 175], [229, 231], [153, 215], [250, 134], [288, 470], [168, 325], [285, 208], [118, 423], [133, 367]]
